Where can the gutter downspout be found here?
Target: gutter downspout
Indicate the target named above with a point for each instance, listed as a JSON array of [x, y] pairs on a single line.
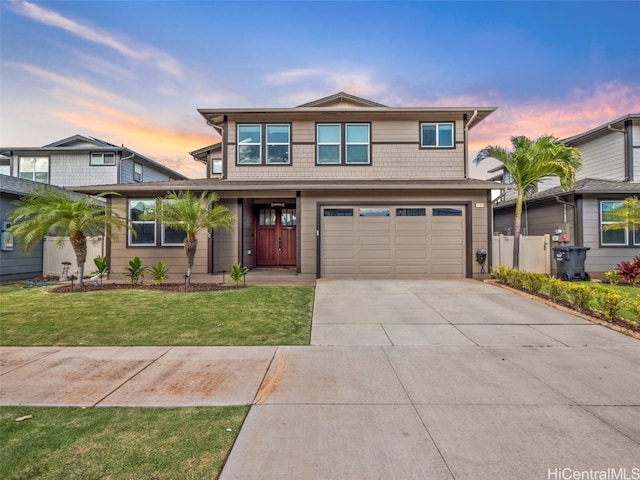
[[466, 142], [627, 165], [119, 173], [221, 132]]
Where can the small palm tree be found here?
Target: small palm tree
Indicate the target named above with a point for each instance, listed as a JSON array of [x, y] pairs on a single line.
[[528, 162], [191, 214], [50, 211]]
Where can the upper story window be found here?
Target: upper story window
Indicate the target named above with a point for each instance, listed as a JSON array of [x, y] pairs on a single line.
[[615, 238], [437, 135], [216, 166], [146, 229], [103, 158], [5, 166], [137, 172], [276, 149], [331, 149], [34, 168]]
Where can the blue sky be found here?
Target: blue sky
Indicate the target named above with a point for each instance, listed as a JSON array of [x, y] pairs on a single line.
[[134, 72]]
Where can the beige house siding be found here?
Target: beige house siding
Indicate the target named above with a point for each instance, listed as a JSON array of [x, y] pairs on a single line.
[[175, 257], [395, 154]]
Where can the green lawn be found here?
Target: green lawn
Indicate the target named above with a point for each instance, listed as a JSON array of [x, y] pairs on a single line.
[[33, 316], [117, 443]]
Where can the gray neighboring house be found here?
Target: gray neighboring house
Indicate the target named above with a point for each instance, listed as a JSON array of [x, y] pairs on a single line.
[[14, 264], [70, 163], [610, 173], [80, 160]]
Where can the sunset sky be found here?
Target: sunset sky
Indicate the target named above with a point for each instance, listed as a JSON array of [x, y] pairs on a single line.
[[134, 72]]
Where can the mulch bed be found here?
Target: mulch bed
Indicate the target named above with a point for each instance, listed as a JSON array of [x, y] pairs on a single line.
[[166, 287]]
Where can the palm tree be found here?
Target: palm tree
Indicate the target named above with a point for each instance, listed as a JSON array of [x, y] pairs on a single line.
[[190, 214], [624, 216], [528, 162], [49, 211]]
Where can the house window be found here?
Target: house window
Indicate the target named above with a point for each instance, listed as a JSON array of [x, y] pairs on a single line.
[[146, 229], [103, 159], [338, 212], [216, 166], [5, 166], [137, 172], [615, 238], [375, 212], [276, 149], [328, 139], [437, 135], [446, 212], [278, 144], [356, 148], [34, 168], [411, 212]]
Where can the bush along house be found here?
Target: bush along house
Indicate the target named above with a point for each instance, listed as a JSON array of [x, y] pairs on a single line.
[[340, 187]]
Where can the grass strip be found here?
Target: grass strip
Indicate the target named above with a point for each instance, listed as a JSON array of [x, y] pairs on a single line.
[[117, 443]]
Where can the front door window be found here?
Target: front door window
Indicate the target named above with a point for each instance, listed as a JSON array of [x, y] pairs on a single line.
[[276, 237]]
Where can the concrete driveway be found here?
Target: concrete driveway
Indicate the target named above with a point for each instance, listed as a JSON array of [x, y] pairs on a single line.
[[450, 379], [443, 380]]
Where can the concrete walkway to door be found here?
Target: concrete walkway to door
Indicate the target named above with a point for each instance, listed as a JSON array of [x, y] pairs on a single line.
[[443, 380]]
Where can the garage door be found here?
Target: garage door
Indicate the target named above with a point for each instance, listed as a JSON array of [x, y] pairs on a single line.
[[392, 242]]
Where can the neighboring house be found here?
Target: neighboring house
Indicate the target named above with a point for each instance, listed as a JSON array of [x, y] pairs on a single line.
[[339, 187], [610, 173], [81, 160], [14, 264]]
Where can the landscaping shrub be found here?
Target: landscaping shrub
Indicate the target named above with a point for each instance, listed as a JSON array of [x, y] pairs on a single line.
[[556, 289], [612, 277], [135, 271], [160, 272], [630, 270], [610, 303], [532, 282], [580, 296]]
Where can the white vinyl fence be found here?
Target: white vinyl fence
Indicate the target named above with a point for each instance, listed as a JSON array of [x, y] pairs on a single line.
[[535, 255], [53, 256]]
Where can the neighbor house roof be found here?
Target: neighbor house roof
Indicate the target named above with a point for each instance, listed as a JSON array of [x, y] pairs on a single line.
[[79, 143], [343, 104], [19, 186], [587, 185], [617, 123]]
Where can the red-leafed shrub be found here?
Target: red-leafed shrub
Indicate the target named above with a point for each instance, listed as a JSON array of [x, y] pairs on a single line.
[[630, 270]]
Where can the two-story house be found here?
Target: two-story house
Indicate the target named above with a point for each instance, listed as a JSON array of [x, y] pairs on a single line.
[[68, 163], [80, 160], [339, 187], [610, 173]]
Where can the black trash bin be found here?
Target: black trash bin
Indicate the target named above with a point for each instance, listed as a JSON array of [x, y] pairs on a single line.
[[570, 263]]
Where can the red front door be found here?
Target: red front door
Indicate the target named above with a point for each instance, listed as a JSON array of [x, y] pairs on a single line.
[[276, 237]]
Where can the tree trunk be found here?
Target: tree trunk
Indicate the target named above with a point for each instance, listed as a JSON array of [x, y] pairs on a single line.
[[517, 223], [79, 244], [190, 245]]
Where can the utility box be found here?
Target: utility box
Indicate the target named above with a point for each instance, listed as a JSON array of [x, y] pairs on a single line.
[[570, 263]]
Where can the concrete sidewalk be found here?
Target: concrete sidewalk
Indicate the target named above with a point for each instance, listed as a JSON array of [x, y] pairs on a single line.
[[403, 380]]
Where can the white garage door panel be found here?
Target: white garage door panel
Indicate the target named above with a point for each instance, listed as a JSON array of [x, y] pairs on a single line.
[[394, 246]]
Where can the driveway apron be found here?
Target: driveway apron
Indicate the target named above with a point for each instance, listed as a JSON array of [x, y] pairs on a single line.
[[446, 379]]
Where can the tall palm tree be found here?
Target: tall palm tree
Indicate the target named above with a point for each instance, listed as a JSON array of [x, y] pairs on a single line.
[[191, 214], [528, 162], [50, 211], [625, 216]]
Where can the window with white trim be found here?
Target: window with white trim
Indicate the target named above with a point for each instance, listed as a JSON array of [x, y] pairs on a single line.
[[34, 168], [5, 166], [348, 141], [137, 172], [275, 149], [437, 135], [216, 166], [615, 238], [102, 158], [144, 230], [147, 231]]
